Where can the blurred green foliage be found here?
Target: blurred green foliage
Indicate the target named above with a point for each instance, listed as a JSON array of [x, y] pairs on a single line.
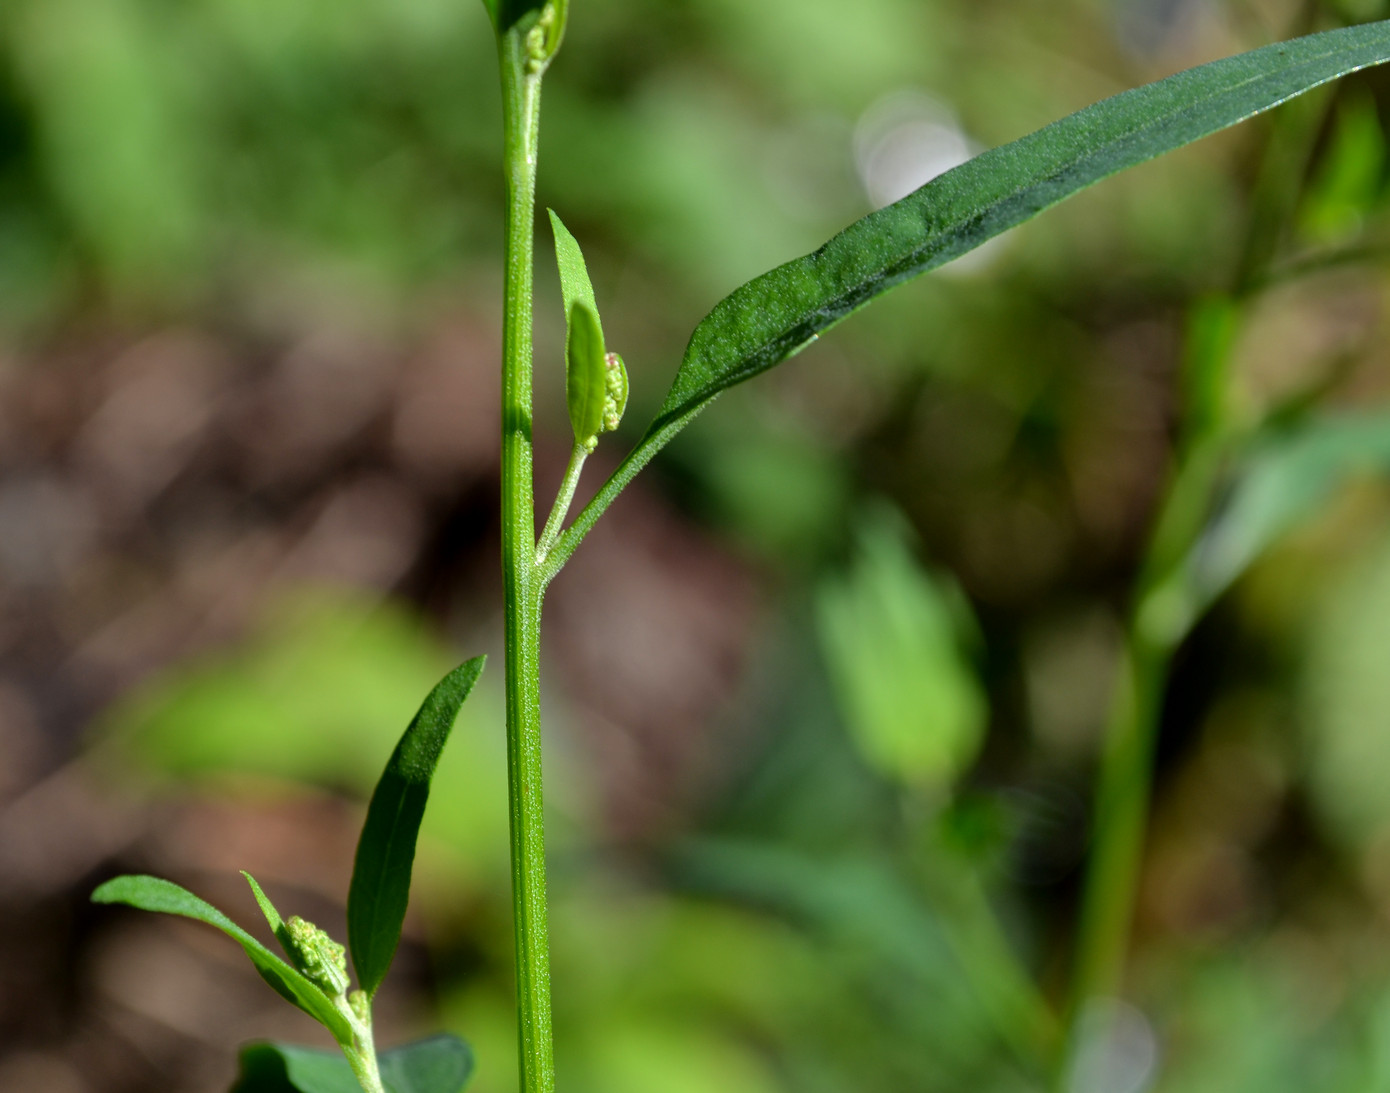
[[881, 873]]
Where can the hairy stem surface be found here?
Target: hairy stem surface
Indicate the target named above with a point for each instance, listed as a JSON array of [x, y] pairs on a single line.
[[521, 88]]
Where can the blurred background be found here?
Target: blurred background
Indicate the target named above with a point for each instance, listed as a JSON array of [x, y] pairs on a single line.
[[825, 690]]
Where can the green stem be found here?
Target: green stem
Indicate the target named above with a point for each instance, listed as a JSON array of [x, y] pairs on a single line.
[[361, 1056], [562, 502], [1163, 612], [521, 89], [1121, 811]]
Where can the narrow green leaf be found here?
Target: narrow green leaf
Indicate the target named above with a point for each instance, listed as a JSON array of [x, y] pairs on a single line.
[[156, 894], [574, 274], [386, 851], [586, 373], [272, 916], [440, 1064], [774, 316], [779, 313]]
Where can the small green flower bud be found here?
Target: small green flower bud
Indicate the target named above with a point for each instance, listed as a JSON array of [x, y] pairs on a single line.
[[615, 397], [542, 39], [322, 960], [361, 1005]]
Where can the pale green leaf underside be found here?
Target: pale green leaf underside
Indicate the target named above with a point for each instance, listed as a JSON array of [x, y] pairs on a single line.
[[584, 348], [380, 887], [156, 894], [441, 1064], [586, 374], [773, 316]]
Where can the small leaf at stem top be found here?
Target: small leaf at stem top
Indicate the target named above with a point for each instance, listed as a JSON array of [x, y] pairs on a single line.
[[272, 916], [380, 885], [156, 894], [574, 273]]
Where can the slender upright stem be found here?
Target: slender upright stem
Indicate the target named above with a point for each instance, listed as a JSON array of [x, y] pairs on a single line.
[[1121, 811], [521, 89]]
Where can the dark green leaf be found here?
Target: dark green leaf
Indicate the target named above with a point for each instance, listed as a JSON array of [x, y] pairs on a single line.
[[777, 314], [586, 373], [155, 894], [773, 316], [386, 851], [441, 1064]]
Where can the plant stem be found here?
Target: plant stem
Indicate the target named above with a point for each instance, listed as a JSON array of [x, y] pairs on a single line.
[[1163, 613], [521, 88], [562, 502], [361, 1056], [1121, 811]]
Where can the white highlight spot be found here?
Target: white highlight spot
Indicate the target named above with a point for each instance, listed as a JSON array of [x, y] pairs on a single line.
[[903, 141], [1117, 1050]]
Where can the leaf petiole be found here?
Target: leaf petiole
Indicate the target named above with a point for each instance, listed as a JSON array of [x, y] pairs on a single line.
[[563, 499]]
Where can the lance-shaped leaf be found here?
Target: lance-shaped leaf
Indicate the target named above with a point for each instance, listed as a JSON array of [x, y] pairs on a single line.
[[441, 1064], [586, 373], [574, 274], [155, 894], [380, 885], [773, 316]]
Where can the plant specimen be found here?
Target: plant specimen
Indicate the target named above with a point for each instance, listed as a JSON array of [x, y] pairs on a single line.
[[1196, 550]]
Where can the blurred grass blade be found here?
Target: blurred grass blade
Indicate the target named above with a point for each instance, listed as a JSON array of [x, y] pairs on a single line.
[[774, 316], [1286, 479], [441, 1064], [156, 894], [386, 851]]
